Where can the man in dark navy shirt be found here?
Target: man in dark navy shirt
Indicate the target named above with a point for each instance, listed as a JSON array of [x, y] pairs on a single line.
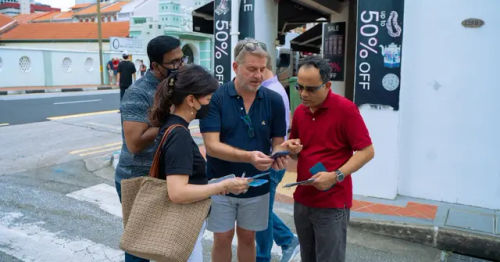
[[244, 123]]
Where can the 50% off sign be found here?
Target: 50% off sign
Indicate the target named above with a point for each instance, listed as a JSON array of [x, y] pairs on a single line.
[[367, 43], [222, 50]]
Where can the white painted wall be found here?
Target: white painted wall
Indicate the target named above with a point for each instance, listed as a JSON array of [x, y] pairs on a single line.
[[449, 125], [78, 71], [47, 67], [10, 72], [80, 46], [379, 178]]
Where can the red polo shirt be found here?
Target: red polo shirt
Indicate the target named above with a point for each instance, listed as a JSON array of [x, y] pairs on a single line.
[[329, 136]]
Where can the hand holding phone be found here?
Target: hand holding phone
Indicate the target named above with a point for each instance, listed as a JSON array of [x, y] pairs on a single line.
[[279, 154], [303, 182]]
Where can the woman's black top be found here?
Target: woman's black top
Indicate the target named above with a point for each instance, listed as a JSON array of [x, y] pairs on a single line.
[[181, 155]]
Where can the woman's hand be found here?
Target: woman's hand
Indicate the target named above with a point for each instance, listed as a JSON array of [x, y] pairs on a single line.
[[235, 185]]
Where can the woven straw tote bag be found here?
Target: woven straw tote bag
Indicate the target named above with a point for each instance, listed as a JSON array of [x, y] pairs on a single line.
[[154, 227]]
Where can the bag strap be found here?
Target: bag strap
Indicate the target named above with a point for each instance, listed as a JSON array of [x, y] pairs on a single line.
[[155, 167]]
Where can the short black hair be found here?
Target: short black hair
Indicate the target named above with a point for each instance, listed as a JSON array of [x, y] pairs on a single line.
[[319, 63], [161, 45]]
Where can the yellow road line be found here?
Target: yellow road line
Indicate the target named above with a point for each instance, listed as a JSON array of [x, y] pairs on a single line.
[[81, 115], [4, 124], [95, 148], [101, 151]]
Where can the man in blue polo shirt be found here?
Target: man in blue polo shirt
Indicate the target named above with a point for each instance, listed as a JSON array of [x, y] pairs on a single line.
[[245, 121]]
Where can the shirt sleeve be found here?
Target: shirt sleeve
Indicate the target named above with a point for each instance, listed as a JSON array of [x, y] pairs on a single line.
[[133, 67], [355, 129], [120, 68], [178, 156], [212, 122], [278, 117], [134, 106]]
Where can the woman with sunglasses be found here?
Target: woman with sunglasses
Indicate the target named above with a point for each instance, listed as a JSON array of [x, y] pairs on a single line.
[[179, 99]]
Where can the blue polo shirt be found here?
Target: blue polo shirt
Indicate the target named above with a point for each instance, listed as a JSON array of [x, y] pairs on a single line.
[[226, 117]]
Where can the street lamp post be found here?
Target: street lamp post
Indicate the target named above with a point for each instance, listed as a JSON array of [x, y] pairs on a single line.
[[99, 39]]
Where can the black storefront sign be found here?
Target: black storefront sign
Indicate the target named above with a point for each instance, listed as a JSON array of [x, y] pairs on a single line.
[[334, 48], [222, 47], [378, 52], [246, 20]]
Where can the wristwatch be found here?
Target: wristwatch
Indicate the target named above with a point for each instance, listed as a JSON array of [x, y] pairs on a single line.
[[340, 175]]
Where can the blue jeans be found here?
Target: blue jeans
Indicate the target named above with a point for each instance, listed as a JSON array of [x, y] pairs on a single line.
[[128, 257], [276, 229]]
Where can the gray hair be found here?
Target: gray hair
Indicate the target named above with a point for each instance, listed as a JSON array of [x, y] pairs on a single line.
[[249, 46], [319, 63]]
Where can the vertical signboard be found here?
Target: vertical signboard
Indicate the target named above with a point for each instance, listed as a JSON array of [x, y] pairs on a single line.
[[378, 52], [333, 48], [246, 20], [222, 46]]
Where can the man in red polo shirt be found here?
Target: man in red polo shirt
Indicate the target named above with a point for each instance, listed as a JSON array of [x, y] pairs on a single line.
[[326, 129]]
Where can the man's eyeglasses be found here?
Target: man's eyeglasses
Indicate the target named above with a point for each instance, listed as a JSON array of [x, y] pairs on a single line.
[[176, 62], [249, 45], [248, 122], [310, 89]]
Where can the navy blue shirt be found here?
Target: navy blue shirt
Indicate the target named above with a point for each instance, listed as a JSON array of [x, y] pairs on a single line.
[[226, 116]]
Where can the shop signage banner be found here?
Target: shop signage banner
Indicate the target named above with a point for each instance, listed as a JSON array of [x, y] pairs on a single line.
[[222, 47], [246, 21], [378, 52], [334, 48]]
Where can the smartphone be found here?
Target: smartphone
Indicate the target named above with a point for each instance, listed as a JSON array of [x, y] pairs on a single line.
[[258, 182], [308, 181], [279, 153]]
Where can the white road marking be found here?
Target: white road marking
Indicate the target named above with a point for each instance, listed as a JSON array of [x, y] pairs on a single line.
[[79, 101], [106, 198], [4, 124], [102, 195], [31, 242]]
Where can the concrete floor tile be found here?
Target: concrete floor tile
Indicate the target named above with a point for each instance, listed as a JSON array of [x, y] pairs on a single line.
[[471, 220]]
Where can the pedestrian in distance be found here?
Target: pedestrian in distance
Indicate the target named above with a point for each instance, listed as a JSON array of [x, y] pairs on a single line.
[[326, 131], [139, 137], [126, 74], [111, 74], [142, 68], [244, 122], [116, 62], [276, 229], [189, 92]]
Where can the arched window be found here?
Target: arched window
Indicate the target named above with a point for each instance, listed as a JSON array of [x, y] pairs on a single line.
[[188, 53]]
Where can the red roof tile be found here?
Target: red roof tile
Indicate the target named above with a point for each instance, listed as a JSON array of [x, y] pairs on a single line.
[[78, 6], [4, 20], [62, 31], [23, 19], [64, 15], [46, 17], [92, 9]]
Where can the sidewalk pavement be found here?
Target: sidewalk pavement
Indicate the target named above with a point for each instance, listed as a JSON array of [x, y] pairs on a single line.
[[452, 227], [455, 228], [52, 89]]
